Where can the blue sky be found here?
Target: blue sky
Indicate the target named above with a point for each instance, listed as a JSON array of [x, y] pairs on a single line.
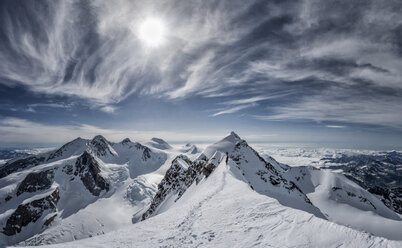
[[274, 71]]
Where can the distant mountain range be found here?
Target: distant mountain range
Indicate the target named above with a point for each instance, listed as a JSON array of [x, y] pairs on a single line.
[[153, 194]]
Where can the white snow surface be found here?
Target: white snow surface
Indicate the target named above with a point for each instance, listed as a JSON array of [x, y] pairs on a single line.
[[133, 183], [222, 211], [158, 144], [233, 207]]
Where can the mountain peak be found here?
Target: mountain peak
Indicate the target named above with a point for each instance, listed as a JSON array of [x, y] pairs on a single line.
[[74, 142], [126, 140], [159, 144], [232, 137], [98, 137], [226, 144], [159, 140]]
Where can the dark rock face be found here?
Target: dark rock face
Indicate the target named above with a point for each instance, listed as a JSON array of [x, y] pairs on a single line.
[[30, 212], [68, 169], [36, 181], [88, 170], [351, 194], [50, 220], [391, 197], [177, 179], [269, 174], [146, 152], [100, 146], [19, 165], [207, 170]]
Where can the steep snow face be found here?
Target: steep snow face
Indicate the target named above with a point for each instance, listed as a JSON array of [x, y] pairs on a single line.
[[48, 193], [91, 177], [227, 144], [101, 148], [344, 202], [223, 211], [262, 176], [139, 158], [73, 148], [379, 172]]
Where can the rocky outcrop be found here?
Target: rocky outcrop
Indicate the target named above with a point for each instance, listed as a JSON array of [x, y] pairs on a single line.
[[36, 181], [391, 197], [76, 168], [87, 168], [146, 152], [100, 146], [237, 153], [19, 165], [126, 141], [30, 212], [178, 178], [268, 173]]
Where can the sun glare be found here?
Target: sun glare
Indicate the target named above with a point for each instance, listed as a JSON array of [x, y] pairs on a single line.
[[152, 32]]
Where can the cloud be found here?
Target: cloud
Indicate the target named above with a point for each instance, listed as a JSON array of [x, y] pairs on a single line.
[[233, 109], [17, 131], [255, 99], [242, 52], [108, 109], [32, 107], [355, 107], [335, 126]]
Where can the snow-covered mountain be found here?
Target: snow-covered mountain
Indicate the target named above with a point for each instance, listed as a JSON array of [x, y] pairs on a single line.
[[190, 149], [226, 195], [322, 193], [44, 198], [379, 172]]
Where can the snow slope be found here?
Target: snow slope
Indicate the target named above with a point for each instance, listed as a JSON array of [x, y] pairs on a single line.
[[344, 202], [228, 195], [93, 177], [223, 211], [325, 194]]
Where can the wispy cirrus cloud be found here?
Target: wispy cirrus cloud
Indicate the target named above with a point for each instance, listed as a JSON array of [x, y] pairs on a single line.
[[334, 61], [233, 109], [355, 107], [335, 126], [32, 107]]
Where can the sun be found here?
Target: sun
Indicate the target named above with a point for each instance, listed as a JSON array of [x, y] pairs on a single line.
[[152, 32]]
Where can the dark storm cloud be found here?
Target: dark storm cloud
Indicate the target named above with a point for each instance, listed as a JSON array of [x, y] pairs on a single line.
[[312, 60]]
